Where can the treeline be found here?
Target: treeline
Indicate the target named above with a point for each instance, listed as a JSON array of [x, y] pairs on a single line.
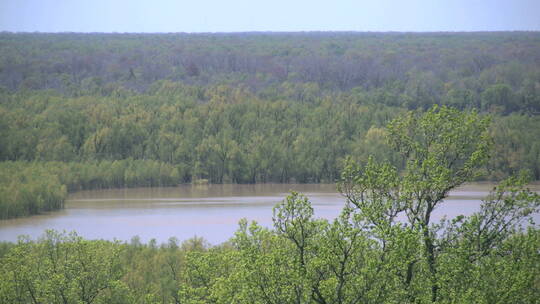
[[222, 134], [490, 71], [228, 135], [28, 188]]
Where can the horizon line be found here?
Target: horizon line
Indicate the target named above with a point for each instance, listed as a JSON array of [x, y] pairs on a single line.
[[276, 32]]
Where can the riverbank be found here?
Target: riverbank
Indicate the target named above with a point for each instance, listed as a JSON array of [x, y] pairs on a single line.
[[31, 188]]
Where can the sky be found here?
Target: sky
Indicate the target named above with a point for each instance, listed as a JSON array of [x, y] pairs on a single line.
[[269, 15]]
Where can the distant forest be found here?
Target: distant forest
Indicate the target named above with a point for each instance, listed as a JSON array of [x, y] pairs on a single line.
[[163, 109], [497, 72]]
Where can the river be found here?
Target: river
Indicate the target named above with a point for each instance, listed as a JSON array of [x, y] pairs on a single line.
[[208, 211]]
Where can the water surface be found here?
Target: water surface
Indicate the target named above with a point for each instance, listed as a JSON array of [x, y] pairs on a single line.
[[211, 211]]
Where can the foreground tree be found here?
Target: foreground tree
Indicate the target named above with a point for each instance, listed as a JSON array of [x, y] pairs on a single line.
[[442, 149], [61, 268]]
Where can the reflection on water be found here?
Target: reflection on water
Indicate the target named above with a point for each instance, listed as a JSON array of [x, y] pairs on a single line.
[[185, 211]]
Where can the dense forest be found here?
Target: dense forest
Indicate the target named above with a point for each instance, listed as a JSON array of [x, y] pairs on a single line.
[[492, 71], [120, 110]]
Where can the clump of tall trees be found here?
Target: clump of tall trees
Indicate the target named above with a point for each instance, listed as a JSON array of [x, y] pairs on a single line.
[[226, 134], [28, 188]]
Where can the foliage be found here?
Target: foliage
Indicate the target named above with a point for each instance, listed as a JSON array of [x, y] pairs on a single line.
[[489, 71], [442, 149], [87, 111], [383, 248], [32, 188], [60, 269], [25, 190], [231, 137]]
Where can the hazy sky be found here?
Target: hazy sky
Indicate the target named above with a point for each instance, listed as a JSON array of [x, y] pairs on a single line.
[[269, 15]]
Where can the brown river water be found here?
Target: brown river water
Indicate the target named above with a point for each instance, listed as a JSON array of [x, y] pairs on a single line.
[[208, 211]]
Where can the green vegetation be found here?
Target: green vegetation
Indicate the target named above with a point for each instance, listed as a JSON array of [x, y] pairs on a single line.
[[490, 71], [115, 110], [364, 256], [28, 188]]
